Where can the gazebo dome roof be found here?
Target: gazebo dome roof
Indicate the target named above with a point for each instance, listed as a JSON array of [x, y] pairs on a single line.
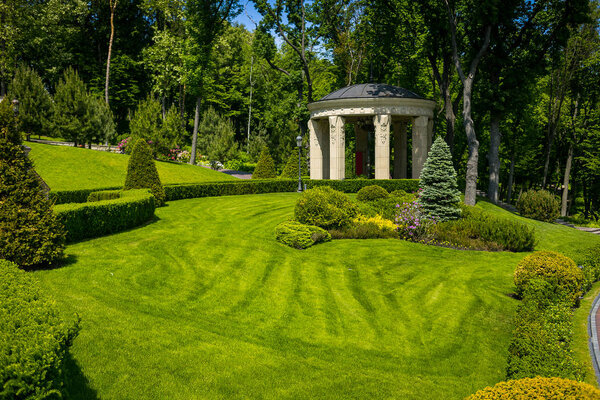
[[371, 90]]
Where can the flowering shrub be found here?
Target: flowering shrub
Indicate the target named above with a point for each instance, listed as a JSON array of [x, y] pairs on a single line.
[[385, 225], [122, 146], [411, 221], [184, 156]]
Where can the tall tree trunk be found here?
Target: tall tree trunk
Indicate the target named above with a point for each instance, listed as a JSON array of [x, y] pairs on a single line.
[[494, 157], [511, 176], [473, 159], [113, 6], [550, 138], [195, 134], [565, 193]]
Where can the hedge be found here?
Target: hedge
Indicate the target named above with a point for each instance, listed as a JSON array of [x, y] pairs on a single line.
[[88, 220], [538, 388], [104, 195], [75, 196], [34, 339]]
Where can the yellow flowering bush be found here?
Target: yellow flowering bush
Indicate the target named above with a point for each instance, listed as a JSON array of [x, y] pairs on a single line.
[[382, 224]]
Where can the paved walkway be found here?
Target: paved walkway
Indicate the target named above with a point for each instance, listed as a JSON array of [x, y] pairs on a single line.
[[594, 334]]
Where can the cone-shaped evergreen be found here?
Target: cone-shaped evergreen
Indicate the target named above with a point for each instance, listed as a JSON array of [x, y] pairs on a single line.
[[440, 196], [30, 235], [265, 167], [290, 171], [34, 101], [142, 173]]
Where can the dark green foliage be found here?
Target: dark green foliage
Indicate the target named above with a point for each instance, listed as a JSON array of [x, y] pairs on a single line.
[[101, 122], [74, 196], [34, 339], [104, 195], [290, 171], [71, 108], [9, 124], [591, 264], [34, 101], [386, 207], [539, 204], [325, 207], [480, 230], [265, 167], [30, 234], [300, 236], [372, 192], [147, 122], [87, 220], [216, 137], [440, 196], [142, 173]]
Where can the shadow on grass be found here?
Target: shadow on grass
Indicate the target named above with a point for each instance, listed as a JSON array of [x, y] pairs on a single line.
[[77, 386]]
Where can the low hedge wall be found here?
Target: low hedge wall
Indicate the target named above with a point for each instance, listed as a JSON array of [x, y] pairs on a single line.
[[88, 220], [34, 339], [104, 195], [74, 196]]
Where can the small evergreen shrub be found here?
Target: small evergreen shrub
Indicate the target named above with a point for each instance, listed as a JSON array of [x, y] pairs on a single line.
[[325, 207], [34, 339], [439, 197], [398, 193], [591, 262], [30, 234], [559, 271], [300, 236], [265, 167], [372, 192], [290, 171], [538, 388], [539, 204], [104, 195], [142, 173]]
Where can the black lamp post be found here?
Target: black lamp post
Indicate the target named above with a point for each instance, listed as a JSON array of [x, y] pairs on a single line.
[[15, 104], [299, 144]]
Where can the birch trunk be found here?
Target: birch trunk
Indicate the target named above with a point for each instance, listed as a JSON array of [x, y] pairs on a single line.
[[113, 6]]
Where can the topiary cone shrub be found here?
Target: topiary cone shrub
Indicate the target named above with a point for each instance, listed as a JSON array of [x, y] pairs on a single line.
[[563, 275], [290, 171], [538, 389], [265, 167], [439, 197], [142, 172], [539, 204]]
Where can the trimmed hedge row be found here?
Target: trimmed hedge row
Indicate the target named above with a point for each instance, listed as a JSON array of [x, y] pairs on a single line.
[[104, 195], [34, 339], [87, 220], [538, 389], [75, 196]]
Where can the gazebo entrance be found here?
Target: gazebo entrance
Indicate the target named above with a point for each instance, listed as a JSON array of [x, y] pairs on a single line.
[[380, 109]]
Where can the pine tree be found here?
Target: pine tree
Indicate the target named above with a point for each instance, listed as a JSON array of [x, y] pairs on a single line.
[[440, 196], [35, 102], [216, 137], [71, 108], [290, 171], [265, 167], [146, 123], [142, 172], [30, 234]]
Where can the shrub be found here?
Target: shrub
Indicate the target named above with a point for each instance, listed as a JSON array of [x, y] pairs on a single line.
[[34, 339], [265, 167], [538, 388], [290, 171], [412, 223], [75, 196], [30, 234], [325, 207], [300, 236], [440, 196], [559, 271], [539, 204], [363, 227], [216, 137], [398, 193], [87, 220], [372, 192], [104, 195], [142, 173], [591, 262]]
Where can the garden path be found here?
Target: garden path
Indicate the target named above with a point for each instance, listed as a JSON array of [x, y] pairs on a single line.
[[594, 334]]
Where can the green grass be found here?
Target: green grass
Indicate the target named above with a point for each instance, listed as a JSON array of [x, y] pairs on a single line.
[[204, 303], [68, 168]]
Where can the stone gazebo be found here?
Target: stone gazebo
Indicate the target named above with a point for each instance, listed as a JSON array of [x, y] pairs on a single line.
[[371, 108]]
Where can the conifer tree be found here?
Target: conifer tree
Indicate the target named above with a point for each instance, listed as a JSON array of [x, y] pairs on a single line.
[[30, 234], [71, 108], [34, 101], [142, 172], [440, 196], [265, 167], [290, 171]]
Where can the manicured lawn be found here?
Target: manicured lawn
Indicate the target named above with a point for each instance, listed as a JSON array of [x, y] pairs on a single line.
[[67, 168], [203, 303]]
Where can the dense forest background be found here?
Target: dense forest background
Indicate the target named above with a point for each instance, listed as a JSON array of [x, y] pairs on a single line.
[[517, 82]]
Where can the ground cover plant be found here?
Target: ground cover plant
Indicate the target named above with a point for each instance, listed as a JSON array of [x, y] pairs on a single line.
[[71, 168], [257, 319]]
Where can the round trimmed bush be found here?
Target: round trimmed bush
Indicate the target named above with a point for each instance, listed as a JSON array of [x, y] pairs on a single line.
[[398, 193], [538, 389], [370, 193], [325, 207], [539, 204], [300, 236], [559, 271], [142, 172]]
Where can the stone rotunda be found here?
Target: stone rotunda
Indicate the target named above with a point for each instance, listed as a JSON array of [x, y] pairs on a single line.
[[372, 109]]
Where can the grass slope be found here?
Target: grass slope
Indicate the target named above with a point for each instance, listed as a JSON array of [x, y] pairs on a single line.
[[66, 168], [203, 303]]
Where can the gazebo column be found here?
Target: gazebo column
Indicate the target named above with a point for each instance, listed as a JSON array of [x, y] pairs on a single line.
[[319, 149], [419, 145], [382, 146], [400, 148], [337, 156], [362, 149]]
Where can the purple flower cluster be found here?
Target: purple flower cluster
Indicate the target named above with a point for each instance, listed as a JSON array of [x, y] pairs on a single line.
[[123, 144], [411, 223]]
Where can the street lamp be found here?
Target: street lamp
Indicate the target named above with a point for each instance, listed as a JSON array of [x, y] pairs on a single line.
[[15, 104], [299, 144]]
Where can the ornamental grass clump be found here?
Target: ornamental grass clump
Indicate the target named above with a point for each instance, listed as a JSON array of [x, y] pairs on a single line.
[[142, 172], [439, 197]]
